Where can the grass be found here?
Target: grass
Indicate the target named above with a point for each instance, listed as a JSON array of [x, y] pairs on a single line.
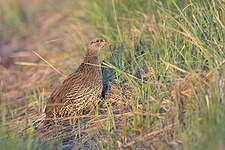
[[168, 58]]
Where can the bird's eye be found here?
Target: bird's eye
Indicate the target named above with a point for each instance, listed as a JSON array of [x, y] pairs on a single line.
[[97, 41]]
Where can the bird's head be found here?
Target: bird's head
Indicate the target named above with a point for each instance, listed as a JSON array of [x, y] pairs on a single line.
[[97, 43]]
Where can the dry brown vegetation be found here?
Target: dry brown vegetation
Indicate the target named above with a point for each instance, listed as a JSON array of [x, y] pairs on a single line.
[[138, 111]]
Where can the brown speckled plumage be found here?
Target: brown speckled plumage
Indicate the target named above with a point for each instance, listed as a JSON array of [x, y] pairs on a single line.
[[82, 89]]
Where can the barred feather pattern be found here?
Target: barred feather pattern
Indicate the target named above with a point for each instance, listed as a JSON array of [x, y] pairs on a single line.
[[83, 96], [81, 90]]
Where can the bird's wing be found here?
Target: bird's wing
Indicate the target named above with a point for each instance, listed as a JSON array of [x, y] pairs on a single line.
[[57, 98]]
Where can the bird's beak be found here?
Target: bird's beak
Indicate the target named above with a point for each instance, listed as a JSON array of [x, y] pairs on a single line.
[[103, 43]]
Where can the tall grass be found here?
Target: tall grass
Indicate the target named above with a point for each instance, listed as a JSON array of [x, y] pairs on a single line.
[[153, 44], [188, 36]]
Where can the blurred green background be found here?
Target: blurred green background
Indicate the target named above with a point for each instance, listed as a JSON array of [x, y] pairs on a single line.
[[165, 44]]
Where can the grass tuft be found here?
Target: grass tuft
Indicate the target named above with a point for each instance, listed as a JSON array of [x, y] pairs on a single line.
[[164, 70]]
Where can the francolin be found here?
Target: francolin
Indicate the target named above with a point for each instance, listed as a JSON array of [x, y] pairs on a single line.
[[81, 90]]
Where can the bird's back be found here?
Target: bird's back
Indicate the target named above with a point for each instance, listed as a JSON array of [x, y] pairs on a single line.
[[81, 89]]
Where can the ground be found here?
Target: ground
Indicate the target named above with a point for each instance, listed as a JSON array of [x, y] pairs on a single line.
[[164, 67]]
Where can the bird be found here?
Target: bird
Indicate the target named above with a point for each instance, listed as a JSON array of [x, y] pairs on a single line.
[[81, 90]]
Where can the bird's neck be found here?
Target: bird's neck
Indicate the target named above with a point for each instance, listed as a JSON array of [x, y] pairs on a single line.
[[91, 58], [91, 67]]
